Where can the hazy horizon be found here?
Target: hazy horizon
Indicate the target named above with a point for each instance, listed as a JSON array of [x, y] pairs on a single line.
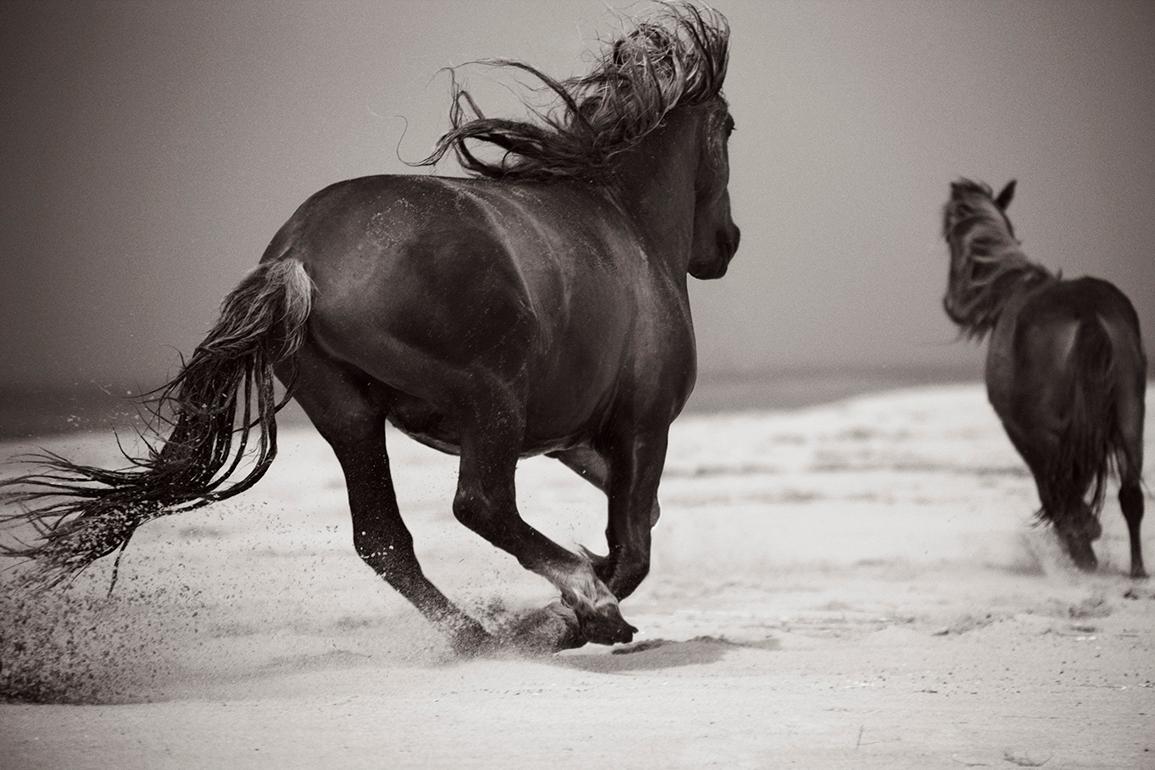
[[42, 410], [151, 149]]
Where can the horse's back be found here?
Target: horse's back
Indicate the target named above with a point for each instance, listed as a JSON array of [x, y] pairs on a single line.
[[1081, 299], [431, 284]]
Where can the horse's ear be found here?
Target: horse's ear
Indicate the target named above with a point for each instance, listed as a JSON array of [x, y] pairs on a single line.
[[1006, 196]]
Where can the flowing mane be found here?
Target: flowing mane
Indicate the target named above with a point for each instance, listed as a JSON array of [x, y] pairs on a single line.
[[675, 58], [987, 264]]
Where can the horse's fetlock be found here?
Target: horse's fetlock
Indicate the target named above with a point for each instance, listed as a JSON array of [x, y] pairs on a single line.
[[642, 568], [634, 564]]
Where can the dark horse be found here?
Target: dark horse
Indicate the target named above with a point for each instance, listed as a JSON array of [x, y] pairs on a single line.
[[538, 307], [1066, 371]]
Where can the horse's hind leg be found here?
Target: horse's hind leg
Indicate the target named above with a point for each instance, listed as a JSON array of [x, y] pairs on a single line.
[[486, 503], [1131, 501], [353, 423], [1060, 496], [1130, 461]]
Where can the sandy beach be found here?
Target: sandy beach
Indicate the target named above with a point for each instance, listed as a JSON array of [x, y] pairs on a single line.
[[857, 584]]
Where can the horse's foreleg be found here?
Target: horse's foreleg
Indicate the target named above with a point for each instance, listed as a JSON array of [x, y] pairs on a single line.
[[632, 486], [486, 503], [594, 468]]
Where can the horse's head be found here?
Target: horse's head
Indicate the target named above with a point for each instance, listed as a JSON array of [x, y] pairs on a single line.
[[715, 234], [972, 199], [648, 121], [983, 250], [974, 205], [666, 76]]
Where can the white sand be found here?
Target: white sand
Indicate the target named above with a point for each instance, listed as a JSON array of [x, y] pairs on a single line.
[[855, 585]]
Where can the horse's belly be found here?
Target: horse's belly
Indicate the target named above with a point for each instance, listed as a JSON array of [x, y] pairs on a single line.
[[428, 425], [424, 423]]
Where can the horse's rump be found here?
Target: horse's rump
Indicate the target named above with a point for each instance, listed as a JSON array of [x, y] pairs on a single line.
[[1076, 353]]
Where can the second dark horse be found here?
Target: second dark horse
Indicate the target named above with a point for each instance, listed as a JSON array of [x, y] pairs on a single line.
[[1066, 371], [540, 307]]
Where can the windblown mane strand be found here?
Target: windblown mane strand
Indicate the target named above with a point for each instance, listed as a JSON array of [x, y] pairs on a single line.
[[988, 265], [675, 58]]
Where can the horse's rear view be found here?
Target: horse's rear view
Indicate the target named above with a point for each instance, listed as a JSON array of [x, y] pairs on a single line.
[[1066, 371]]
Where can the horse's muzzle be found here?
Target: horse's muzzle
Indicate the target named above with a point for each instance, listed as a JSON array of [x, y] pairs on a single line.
[[725, 246], [730, 238]]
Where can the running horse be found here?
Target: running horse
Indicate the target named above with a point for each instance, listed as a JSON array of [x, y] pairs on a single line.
[[538, 306], [1065, 371]]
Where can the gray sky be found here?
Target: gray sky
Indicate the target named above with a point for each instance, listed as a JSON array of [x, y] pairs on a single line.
[[149, 150]]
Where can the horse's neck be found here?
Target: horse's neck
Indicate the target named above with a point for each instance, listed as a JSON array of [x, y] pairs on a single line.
[[654, 184], [978, 302]]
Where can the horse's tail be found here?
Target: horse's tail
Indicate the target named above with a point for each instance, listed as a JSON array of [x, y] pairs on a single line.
[[218, 407], [1090, 440]]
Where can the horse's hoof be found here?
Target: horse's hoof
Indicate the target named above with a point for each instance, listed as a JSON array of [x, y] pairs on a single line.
[[570, 639], [1138, 573], [551, 629], [1081, 553], [1087, 563], [606, 627]]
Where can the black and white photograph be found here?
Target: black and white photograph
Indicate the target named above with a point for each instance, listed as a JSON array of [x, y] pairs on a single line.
[[576, 383]]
